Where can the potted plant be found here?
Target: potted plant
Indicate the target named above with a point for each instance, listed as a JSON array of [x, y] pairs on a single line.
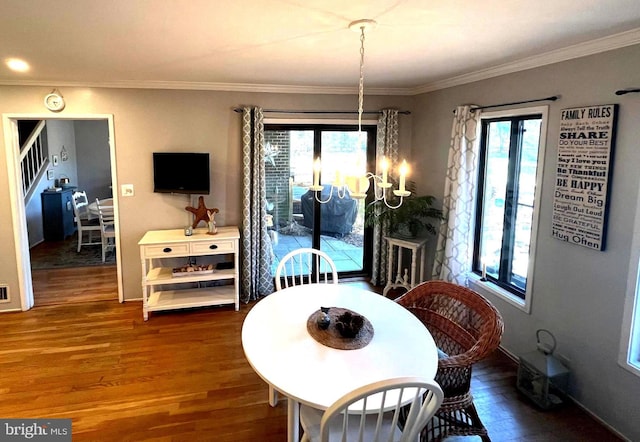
[[416, 214]]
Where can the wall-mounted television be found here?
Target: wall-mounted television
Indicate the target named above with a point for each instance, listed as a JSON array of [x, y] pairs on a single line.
[[181, 172]]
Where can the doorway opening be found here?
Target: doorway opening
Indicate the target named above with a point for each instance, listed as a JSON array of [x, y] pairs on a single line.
[[68, 166]]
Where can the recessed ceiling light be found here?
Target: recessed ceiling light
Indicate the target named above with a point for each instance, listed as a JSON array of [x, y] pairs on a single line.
[[15, 64]]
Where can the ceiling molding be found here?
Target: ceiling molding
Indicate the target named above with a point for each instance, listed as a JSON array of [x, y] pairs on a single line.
[[205, 86], [597, 46], [604, 44]]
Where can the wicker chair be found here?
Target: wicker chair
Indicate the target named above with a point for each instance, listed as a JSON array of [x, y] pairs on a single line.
[[466, 328]]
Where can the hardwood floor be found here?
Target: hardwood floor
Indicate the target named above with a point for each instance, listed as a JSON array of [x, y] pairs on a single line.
[[75, 284], [62, 275], [182, 376], [508, 416]]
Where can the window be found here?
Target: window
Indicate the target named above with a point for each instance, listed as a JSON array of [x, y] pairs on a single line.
[[631, 338], [296, 218], [629, 356], [510, 165]]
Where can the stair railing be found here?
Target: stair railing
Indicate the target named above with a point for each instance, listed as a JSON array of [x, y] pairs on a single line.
[[33, 160]]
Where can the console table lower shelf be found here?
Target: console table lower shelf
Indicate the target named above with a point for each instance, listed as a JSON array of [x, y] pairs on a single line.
[[188, 298]]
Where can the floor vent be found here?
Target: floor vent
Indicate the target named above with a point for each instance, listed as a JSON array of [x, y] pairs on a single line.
[[4, 293]]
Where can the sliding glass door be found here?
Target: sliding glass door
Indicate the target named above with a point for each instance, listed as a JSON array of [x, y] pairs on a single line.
[[296, 217]]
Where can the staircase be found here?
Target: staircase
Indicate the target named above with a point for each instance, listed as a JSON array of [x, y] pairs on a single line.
[[34, 157]]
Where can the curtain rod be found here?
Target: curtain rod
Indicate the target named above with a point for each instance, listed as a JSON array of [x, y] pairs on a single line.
[[283, 111], [552, 98], [626, 91]]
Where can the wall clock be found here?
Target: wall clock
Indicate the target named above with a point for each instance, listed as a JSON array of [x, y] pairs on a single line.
[[54, 101]]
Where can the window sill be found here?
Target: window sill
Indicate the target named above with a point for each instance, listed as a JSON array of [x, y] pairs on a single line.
[[488, 288], [630, 366]]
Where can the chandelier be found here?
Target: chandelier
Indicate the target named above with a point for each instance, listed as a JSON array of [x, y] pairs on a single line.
[[357, 185]]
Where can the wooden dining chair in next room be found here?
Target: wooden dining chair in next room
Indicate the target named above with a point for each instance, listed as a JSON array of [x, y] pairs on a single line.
[[466, 328], [299, 267], [108, 228], [353, 418], [85, 225]]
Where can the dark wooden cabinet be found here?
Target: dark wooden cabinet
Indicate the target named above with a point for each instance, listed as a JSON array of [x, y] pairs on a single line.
[[57, 215]]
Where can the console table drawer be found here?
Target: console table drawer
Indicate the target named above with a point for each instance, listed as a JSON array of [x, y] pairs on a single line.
[[167, 250], [212, 247]]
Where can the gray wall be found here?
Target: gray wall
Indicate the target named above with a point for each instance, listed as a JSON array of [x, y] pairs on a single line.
[[59, 134], [93, 158], [578, 293]]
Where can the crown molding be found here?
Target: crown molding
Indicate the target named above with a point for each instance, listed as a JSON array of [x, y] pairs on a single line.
[[206, 86], [597, 46], [604, 44]]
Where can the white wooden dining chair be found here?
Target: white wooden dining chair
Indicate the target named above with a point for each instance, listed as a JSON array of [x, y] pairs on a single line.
[[107, 227], [84, 224], [299, 267], [405, 406], [305, 266]]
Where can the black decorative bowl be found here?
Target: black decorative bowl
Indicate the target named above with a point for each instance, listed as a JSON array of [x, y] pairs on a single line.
[[349, 325]]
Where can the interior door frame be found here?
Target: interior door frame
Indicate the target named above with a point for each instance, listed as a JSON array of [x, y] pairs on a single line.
[[18, 211]]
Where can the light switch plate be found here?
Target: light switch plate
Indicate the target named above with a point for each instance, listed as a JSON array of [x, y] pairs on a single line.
[[126, 190]]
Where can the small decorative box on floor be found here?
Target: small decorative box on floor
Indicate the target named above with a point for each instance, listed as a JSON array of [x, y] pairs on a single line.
[[542, 377]]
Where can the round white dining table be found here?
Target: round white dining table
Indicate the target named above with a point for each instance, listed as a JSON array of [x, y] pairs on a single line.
[[92, 208], [283, 353]]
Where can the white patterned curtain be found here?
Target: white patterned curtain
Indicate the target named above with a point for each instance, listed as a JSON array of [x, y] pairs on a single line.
[[256, 279], [387, 145], [454, 248]]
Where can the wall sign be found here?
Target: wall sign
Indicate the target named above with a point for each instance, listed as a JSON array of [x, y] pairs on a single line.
[[585, 159]]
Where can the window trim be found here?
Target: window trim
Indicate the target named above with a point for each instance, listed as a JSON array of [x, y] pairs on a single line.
[[630, 319], [488, 287]]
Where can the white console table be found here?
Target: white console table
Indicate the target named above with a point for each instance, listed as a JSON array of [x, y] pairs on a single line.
[[417, 247], [159, 292]]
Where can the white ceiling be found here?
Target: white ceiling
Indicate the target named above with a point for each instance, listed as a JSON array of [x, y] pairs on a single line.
[[301, 45]]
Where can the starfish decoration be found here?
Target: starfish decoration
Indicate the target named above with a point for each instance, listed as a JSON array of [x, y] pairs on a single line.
[[201, 213]]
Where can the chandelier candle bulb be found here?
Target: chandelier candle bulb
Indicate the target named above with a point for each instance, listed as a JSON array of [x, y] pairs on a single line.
[[316, 175], [403, 175], [316, 172], [357, 185], [402, 191], [384, 166]]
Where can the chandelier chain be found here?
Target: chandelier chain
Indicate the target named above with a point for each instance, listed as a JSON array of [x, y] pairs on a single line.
[[361, 83]]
